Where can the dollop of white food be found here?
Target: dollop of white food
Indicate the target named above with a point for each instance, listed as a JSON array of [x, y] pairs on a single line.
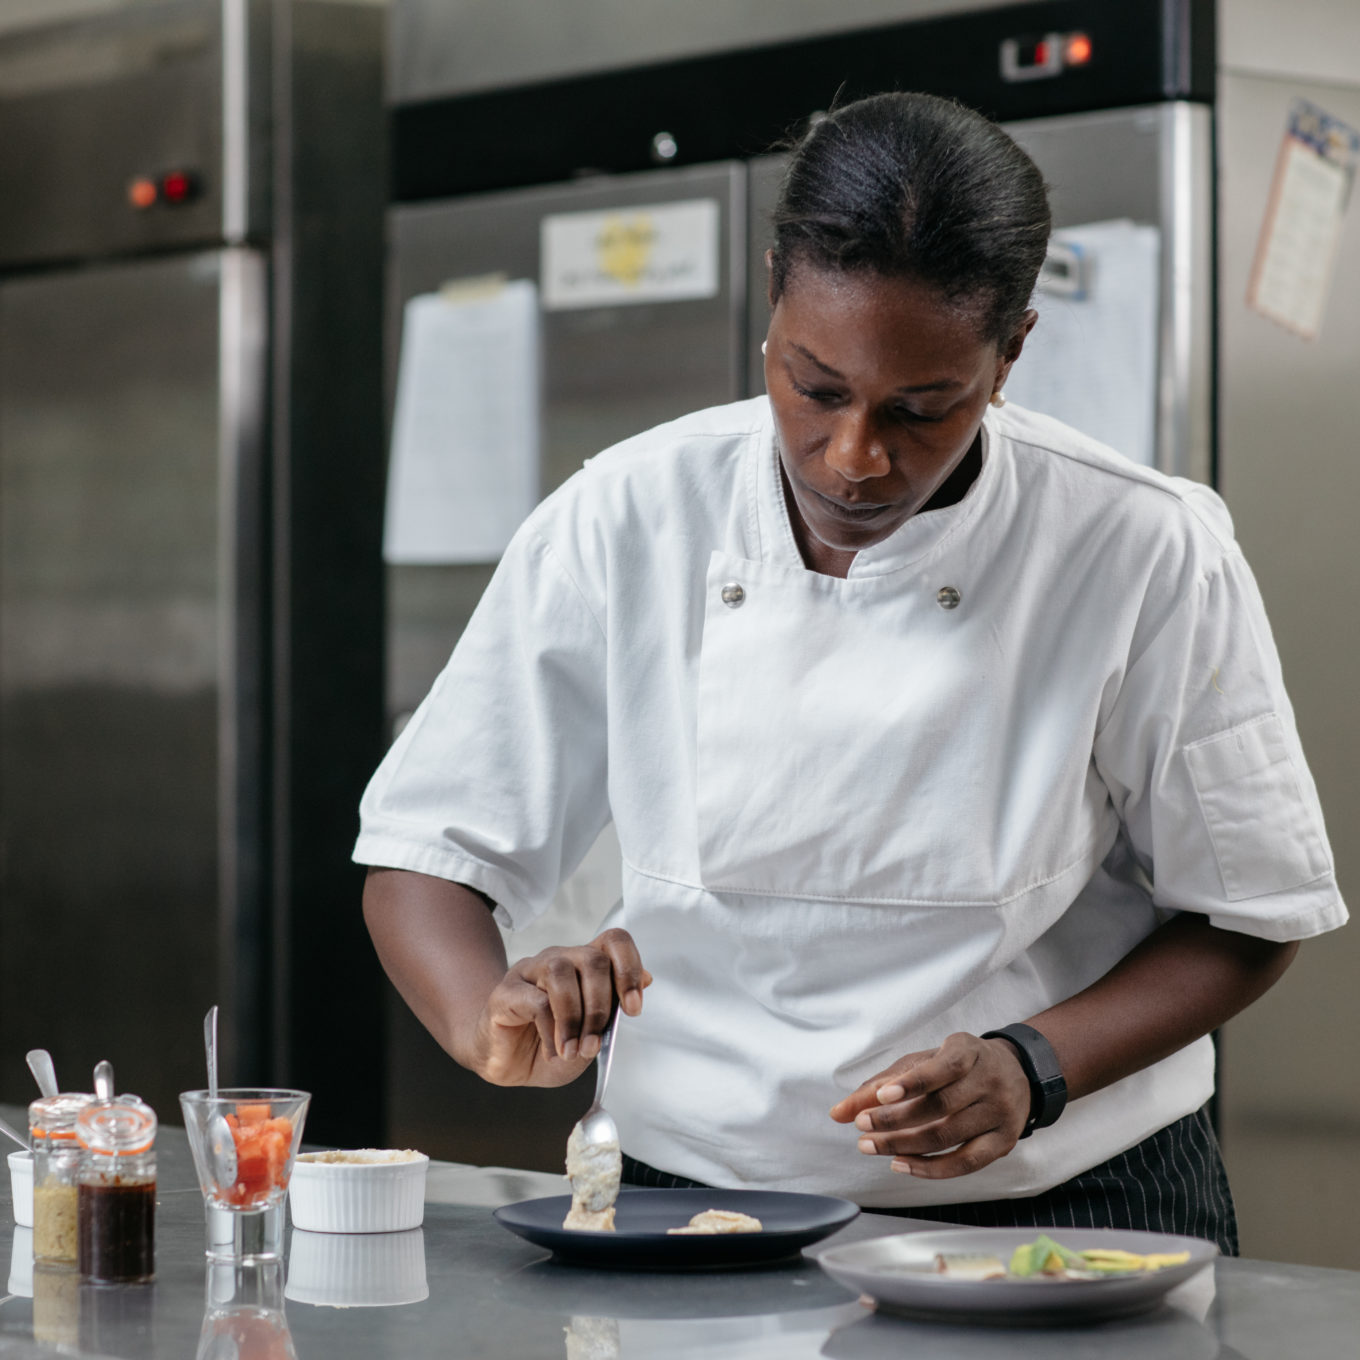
[[362, 1156], [718, 1221], [595, 1170]]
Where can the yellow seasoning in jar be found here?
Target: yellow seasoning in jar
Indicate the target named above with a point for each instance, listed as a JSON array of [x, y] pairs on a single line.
[[56, 1159]]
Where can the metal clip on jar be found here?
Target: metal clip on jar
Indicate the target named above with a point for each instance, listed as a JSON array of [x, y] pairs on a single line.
[[56, 1157], [116, 1185]]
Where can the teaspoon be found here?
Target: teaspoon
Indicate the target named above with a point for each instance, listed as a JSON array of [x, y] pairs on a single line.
[[44, 1073], [221, 1145]]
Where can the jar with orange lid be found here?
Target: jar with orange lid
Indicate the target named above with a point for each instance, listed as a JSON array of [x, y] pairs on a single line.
[[56, 1159], [116, 1192]]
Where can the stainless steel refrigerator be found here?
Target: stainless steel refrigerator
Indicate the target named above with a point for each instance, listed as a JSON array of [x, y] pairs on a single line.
[[190, 488], [480, 178]]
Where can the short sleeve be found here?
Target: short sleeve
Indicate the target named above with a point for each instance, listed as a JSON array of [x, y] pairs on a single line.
[[499, 779], [1205, 768]]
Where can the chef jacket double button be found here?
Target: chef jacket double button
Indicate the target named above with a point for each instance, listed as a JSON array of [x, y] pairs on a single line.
[[733, 594]]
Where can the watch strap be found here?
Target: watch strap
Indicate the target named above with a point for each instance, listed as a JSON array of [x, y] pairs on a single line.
[[1047, 1087]]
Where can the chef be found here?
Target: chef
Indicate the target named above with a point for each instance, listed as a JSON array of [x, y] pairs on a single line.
[[958, 791]]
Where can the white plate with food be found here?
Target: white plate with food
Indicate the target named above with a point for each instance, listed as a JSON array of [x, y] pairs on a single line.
[[648, 1224], [967, 1275]]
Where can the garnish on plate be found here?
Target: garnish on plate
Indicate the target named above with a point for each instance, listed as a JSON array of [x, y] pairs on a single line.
[[1049, 1259]]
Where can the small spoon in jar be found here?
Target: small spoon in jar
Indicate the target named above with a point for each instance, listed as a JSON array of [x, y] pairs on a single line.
[[103, 1081], [44, 1073]]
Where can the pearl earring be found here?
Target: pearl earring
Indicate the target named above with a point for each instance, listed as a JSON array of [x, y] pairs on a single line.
[[764, 345], [998, 398]]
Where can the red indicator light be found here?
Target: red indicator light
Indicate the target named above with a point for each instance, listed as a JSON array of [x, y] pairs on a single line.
[[177, 186], [1078, 49], [1041, 54], [142, 193]]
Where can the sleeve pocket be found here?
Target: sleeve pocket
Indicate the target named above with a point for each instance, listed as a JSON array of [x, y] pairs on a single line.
[[1264, 831]]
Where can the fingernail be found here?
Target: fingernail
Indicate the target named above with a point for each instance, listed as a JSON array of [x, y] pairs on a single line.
[[888, 1095], [570, 1048], [867, 1145], [590, 1046], [632, 1001], [898, 1164], [862, 1121]]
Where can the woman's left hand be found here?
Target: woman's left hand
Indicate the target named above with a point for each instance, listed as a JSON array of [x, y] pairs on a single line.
[[969, 1095]]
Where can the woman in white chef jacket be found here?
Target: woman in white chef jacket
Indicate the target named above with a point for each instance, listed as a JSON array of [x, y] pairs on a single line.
[[955, 780]]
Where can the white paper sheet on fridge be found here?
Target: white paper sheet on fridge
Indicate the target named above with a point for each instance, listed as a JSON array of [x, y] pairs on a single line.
[[1296, 255], [1092, 358], [463, 472]]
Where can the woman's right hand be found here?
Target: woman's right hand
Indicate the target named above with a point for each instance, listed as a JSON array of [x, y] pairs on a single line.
[[542, 1023]]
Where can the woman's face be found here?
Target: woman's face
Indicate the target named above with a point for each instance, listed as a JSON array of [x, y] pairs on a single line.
[[878, 387]]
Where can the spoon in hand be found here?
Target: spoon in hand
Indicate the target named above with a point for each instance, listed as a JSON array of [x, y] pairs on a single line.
[[221, 1145], [594, 1163]]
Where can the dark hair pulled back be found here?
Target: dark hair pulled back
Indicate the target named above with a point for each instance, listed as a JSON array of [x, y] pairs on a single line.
[[910, 185]]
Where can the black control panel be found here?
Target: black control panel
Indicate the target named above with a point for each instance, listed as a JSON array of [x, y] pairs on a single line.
[[1018, 61]]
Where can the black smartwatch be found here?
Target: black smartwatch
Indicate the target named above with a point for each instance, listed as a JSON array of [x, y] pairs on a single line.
[[1047, 1088]]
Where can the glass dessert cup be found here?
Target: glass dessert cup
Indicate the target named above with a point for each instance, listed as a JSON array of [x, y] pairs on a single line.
[[245, 1216]]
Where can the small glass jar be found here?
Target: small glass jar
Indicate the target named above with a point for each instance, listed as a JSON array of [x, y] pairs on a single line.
[[116, 1192], [56, 1158]]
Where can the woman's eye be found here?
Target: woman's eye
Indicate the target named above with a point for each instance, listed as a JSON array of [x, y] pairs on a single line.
[[911, 417], [812, 393]]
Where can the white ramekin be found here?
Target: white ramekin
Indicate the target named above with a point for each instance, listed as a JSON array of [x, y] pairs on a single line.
[[21, 1186], [357, 1270], [373, 1192]]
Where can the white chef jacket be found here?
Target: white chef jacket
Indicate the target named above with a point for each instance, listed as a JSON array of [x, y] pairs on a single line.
[[854, 819]]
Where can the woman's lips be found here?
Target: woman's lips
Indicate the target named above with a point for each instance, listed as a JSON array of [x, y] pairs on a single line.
[[854, 514]]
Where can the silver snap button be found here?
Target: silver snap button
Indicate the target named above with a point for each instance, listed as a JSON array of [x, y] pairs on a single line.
[[948, 598], [733, 595]]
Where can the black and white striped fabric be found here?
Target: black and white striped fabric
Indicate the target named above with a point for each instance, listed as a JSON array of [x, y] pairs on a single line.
[[1172, 1182]]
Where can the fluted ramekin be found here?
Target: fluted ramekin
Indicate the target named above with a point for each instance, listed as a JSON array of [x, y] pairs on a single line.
[[366, 1191]]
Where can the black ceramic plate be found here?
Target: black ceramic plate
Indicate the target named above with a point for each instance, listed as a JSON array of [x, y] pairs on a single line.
[[640, 1240]]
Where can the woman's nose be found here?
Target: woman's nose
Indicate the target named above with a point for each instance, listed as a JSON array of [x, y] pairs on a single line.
[[854, 449]]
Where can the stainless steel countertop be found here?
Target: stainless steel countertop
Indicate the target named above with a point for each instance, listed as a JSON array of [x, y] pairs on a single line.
[[488, 1293]]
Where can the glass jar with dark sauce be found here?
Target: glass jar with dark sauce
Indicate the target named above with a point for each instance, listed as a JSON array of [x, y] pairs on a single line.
[[116, 1192]]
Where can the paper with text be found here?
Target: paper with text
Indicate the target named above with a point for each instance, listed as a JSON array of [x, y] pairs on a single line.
[[1301, 231], [464, 462]]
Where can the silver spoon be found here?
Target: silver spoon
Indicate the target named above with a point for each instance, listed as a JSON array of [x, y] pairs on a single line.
[[221, 1145], [595, 1139], [44, 1073], [103, 1080], [9, 1132]]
